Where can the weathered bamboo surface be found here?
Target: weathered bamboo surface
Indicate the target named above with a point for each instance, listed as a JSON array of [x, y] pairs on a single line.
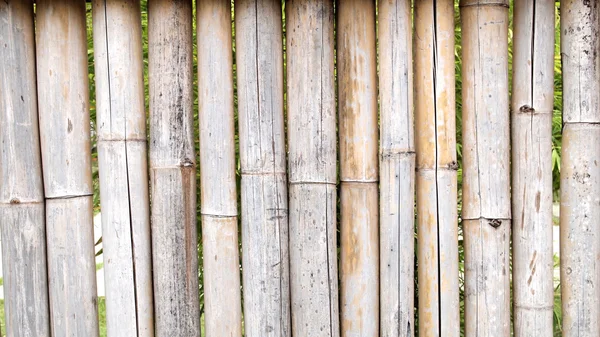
[[580, 173], [357, 85], [222, 292], [312, 167], [265, 240], [121, 132], [173, 169], [532, 106], [435, 125], [22, 220], [64, 122], [397, 169], [486, 208]]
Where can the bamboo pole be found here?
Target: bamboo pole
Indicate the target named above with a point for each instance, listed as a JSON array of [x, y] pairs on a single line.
[[532, 107], [397, 169], [64, 122], [121, 132], [22, 205], [312, 167], [357, 99], [436, 169], [259, 54], [486, 209], [580, 173], [173, 169], [222, 295]]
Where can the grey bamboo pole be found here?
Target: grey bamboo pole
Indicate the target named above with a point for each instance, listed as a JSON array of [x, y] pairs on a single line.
[[259, 54], [437, 215], [580, 172], [532, 106], [22, 222], [121, 132], [222, 293], [486, 209], [64, 122], [357, 85], [173, 169], [397, 169], [312, 167]]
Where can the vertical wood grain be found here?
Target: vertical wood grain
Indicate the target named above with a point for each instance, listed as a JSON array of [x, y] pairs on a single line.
[[173, 169], [532, 107], [359, 171], [312, 167], [121, 125], [580, 173], [397, 169], [265, 240], [22, 218], [436, 169], [486, 208], [62, 73], [222, 294]]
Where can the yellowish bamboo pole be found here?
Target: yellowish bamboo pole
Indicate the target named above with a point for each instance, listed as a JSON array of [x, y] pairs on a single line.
[[357, 84], [121, 121], [22, 204], [173, 169], [436, 169], [259, 54], [312, 167], [62, 74], [397, 169], [486, 209], [580, 171], [222, 295], [532, 106]]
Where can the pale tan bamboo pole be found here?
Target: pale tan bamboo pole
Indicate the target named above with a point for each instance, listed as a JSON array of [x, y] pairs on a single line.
[[437, 215], [486, 209], [222, 293], [397, 169], [173, 169], [265, 252], [121, 131], [580, 171], [64, 122], [21, 187], [312, 167], [532, 106], [357, 89]]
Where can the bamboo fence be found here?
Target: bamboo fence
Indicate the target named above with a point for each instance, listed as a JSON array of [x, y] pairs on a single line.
[[346, 107], [436, 169], [580, 173], [532, 107], [486, 205]]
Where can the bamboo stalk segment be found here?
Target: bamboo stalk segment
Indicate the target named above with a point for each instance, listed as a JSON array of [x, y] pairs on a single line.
[[173, 169], [580, 173], [121, 121], [312, 167], [486, 209], [222, 293], [66, 157], [532, 107], [436, 169], [397, 169], [357, 85], [265, 237], [22, 219]]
